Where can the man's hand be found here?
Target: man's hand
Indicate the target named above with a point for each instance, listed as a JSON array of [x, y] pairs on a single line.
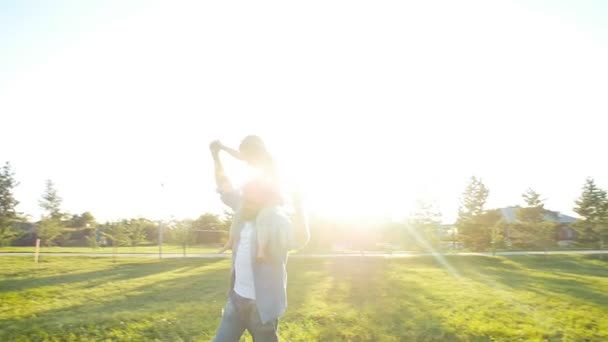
[[301, 231], [296, 199]]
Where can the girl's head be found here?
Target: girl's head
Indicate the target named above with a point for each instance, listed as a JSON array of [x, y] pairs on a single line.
[[253, 151]]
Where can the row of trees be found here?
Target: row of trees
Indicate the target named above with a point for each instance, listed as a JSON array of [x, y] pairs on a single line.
[[477, 227], [534, 226], [57, 227]]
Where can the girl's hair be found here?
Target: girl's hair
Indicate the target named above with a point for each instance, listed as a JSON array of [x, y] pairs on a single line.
[[254, 145]]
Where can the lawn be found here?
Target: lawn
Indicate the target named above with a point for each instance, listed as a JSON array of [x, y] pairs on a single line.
[[464, 298], [108, 250]]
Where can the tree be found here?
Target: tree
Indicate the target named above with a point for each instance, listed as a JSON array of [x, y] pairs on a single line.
[[423, 226], [497, 234], [535, 211], [51, 202], [183, 233], [592, 206], [532, 228], [474, 228], [116, 233], [209, 221], [150, 229], [82, 229], [226, 220], [83, 220], [49, 229], [92, 241], [473, 199], [210, 228], [134, 231], [50, 226], [8, 204], [7, 234]]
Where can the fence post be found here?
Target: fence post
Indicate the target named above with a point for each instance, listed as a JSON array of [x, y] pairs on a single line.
[[37, 253], [160, 240]]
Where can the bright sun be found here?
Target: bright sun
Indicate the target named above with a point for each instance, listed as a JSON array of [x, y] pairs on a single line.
[[342, 189]]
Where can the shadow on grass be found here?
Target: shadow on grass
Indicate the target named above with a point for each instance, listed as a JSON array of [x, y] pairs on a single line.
[[180, 307], [580, 265], [373, 299], [304, 279], [370, 300], [353, 299], [115, 272], [557, 275]]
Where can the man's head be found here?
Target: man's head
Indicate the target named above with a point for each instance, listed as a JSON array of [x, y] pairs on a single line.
[[257, 195]]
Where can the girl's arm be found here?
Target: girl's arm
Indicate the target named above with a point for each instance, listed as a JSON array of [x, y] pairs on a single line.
[[234, 153], [222, 182], [229, 195]]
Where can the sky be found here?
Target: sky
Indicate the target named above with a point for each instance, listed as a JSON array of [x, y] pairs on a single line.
[[367, 106]]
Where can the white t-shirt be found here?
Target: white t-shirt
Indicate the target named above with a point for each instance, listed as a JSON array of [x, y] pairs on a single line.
[[243, 266]]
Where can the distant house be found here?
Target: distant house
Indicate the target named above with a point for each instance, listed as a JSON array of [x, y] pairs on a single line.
[[564, 234]]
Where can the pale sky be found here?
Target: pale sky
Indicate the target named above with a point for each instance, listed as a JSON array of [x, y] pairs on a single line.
[[367, 105]]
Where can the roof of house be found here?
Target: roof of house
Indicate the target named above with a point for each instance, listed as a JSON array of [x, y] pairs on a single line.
[[509, 214]]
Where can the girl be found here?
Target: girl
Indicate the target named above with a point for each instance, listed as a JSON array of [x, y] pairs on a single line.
[[262, 191]]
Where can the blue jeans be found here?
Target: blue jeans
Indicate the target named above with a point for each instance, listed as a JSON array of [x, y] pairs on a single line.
[[240, 314]]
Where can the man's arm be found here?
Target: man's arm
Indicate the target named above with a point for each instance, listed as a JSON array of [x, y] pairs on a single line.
[[300, 231]]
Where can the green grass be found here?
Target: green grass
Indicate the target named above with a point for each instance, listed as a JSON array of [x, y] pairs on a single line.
[[469, 298], [108, 250]]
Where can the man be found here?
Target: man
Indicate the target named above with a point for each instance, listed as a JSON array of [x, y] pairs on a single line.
[[258, 286]]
